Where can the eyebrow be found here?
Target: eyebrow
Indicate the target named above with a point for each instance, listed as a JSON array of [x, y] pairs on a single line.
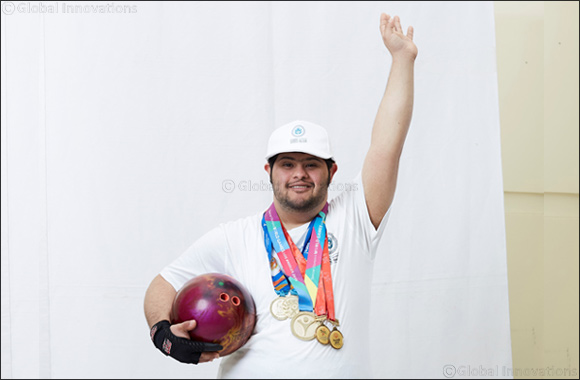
[[305, 159]]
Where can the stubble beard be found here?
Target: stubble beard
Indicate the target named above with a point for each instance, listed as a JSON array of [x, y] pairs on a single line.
[[299, 206]]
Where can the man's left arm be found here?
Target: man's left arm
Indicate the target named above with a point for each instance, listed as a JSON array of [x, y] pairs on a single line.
[[381, 165]]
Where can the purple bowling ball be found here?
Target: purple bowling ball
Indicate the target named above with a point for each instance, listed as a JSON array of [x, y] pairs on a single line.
[[224, 310]]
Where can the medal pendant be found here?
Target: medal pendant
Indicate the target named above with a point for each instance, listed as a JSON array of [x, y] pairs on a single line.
[[323, 334], [304, 325], [336, 339], [291, 305], [284, 307]]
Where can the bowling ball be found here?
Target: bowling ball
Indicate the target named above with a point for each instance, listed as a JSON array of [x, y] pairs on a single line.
[[224, 310]]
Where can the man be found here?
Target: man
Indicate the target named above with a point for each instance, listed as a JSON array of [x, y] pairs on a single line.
[[311, 256]]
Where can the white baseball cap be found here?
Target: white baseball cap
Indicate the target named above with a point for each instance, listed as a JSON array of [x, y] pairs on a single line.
[[300, 136]]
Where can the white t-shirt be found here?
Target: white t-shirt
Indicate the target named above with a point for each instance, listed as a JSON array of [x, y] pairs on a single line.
[[237, 249]]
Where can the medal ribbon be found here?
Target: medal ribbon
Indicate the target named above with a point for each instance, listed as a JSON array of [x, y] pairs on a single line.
[[307, 271]]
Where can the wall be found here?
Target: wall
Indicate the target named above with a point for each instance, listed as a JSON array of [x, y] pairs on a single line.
[[537, 55], [120, 129]]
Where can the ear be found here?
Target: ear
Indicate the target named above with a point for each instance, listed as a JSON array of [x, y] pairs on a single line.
[[267, 168], [333, 170]]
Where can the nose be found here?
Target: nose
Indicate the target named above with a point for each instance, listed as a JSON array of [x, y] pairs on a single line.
[[299, 172]]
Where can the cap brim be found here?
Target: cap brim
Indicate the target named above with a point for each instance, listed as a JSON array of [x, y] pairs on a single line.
[[315, 154]]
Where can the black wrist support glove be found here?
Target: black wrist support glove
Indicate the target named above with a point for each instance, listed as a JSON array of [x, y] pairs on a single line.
[[181, 349]]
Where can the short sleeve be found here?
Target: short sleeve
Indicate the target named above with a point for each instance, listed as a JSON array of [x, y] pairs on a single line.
[[207, 254], [351, 203]]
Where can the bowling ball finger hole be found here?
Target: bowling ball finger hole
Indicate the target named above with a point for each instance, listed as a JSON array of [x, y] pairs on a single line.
[[224, 297], [236, 301]]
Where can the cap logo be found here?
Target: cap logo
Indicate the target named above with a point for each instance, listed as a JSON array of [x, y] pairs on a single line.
[[298, 131]]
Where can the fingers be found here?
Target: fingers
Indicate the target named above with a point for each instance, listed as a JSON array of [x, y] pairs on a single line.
[[182, 329], [211, 347], [389, 23], [384, 22], [384, 18], [397, 24], [190, 325], [208, 357], [186, 326]]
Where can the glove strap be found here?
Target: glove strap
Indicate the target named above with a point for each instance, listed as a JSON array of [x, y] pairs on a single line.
[[159, 326]]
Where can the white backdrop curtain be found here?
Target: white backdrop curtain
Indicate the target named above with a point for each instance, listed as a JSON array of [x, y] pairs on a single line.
[[130, 130]]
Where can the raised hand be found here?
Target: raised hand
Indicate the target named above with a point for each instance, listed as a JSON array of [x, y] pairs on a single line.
[[398, 44]]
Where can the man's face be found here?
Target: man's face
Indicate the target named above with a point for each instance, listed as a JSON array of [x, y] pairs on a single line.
[[300, 181]]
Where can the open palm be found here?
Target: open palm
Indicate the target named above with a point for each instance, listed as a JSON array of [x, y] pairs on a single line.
[[395, 40]]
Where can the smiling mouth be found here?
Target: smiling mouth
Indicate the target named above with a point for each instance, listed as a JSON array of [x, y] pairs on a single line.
[[299, 187]]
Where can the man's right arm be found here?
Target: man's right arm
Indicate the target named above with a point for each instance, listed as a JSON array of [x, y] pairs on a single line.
[[158, 300]]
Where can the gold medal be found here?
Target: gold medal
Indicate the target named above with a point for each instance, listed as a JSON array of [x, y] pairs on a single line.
[[304, 325], [291, 305], [277, 309], [323, 334], [336, 339], [284, 307]]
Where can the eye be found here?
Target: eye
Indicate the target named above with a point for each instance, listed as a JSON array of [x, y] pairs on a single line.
[[236, 301], [224, 297]]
